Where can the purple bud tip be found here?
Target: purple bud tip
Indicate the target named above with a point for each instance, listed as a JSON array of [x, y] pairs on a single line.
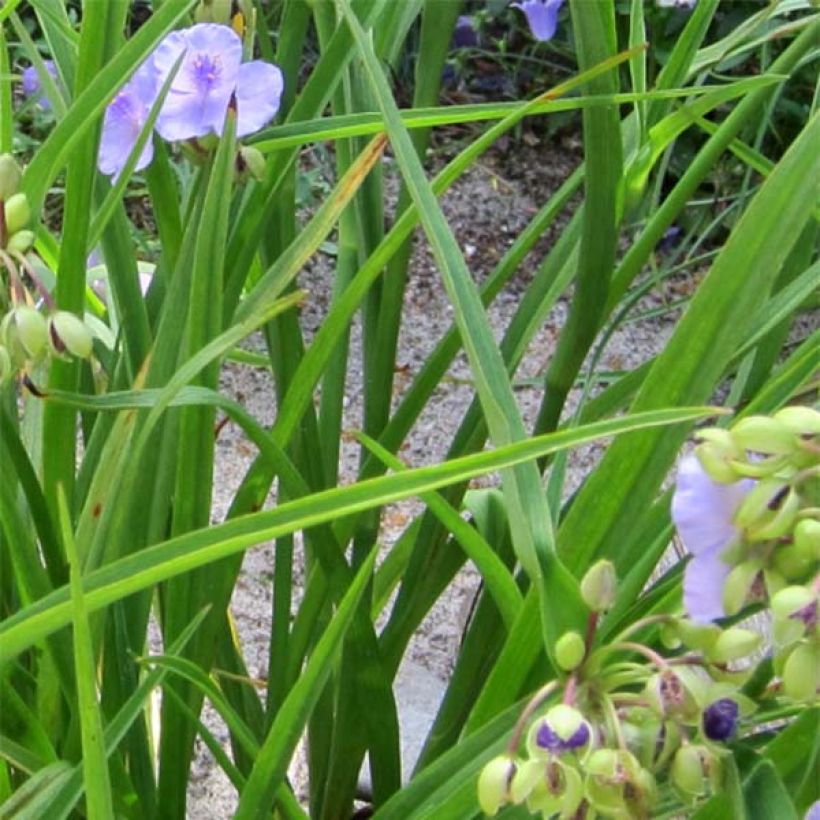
[[720, 719], [546, 738]]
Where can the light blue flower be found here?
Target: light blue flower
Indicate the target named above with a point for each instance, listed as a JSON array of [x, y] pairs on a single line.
[[542, 16], [32, 85], [124, 119]]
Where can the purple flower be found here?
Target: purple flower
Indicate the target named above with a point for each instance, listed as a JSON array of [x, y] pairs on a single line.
[[703, 511], [124, 119], [542, 16], [199, 95], [32, 84], [720, 719]]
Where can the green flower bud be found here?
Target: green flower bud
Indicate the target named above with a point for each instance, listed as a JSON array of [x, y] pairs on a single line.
[[494, 783], [617, 785], [762, 434], [10, 175], [69, 335], [213, 11], [794, 613], [563, 729], [801, 672], [807, 537], [20, 242], [28, 328], [251, 161], [768, 510], [802, 421], [698, 636], [718, 452], [570, 650], [550, 787], [696, 771], [743, 585], [793, 561], [599, 586], [733, 644], [18, 213], [669, 695]]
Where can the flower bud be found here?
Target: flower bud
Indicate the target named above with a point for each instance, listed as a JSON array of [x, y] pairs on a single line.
[[717, 454], [549, 787], [570, 650], [10, 175], [20, 242], [562, 729], [494, 783], [801, 672], [794, 613], [213, 11], [733, 644], [807, 537], [69, 335], [669, 695], [251, 161], [617, 785], [18, 213], [720, 719], [762, 434], [697, 636], [743, 585], [599, 586], [696, 771], [768, 510], [802, 421], [26, 327]]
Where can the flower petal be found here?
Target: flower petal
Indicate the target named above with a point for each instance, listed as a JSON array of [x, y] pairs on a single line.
[[542, 17], [703, 581], [124, 119], [258, 95], [703, 509]]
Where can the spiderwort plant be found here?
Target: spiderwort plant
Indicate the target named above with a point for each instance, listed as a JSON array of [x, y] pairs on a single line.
[[542, 17]]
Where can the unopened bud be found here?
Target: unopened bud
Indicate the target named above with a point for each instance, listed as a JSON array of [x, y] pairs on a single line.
[[701, 637], [494, 783], [18, 213], [801, 672], [569, 651], [696, 771], [599, 586], [768, 510], [743, 585], [28, 328], [794, 613], [669, 695], [802, 421], [718, 452], [807, 537], [69, 335], [733, 644], [20, 242], [762, 434], [10, 175], [213, 11], [252, 161]]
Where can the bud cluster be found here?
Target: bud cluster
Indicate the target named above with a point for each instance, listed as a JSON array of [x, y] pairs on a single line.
[[775, 557], [15, 213], [630, 719]]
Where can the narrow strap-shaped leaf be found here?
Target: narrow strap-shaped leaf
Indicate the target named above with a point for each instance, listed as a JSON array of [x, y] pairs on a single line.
[[271, 764]]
